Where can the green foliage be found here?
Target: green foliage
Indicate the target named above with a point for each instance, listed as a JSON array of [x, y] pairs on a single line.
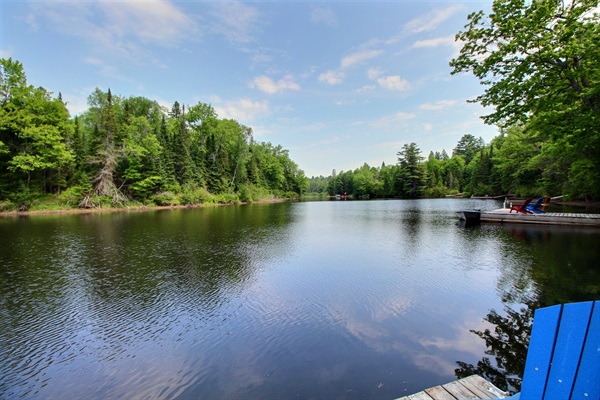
[[127, 150], [25, 197], [7, 205], [584, 178], [165, 199], [533, 55], [192, 194], [227, 198], [467, 147], [435, 191], [540, 63], [249, 193], [13, 83], [412, 172], [101, 201], [72, 196], [143, 188]]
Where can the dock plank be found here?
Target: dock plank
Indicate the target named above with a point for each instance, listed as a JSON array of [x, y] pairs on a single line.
[[459, 391], [472, 387], [439, 393], [419, 396], [483, 388]]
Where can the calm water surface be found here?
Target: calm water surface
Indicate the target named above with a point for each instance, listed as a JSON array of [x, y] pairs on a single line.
[[349, 300]]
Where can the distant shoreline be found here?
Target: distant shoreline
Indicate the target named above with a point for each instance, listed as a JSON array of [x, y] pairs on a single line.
[[68, 211]]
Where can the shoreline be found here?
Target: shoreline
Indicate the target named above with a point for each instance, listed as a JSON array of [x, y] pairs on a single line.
[[142, 208]]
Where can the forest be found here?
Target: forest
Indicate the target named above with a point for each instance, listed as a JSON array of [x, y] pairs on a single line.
[[539, 62], [129, 151]]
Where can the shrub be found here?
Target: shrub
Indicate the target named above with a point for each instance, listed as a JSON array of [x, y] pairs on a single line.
[[191, 193], [436, 191], [72, 196], [227, 198], [102, 201], [250, 193], [7, 205], [25, 198], [165, 199], [142, 189]]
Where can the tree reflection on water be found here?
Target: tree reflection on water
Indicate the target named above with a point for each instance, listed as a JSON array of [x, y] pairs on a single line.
[[507, 343], [543, 266]]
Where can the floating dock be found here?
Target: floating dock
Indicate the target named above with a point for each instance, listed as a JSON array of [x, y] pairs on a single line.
[[472, 387], [549, 218]]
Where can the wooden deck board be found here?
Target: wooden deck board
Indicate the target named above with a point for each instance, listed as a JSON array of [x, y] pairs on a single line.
[[419, 396], [459, 391], [477, 390], [439, 393], [472, 387], [482, 388]]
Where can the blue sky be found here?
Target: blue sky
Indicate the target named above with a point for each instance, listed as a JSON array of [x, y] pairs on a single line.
[[336, 83]]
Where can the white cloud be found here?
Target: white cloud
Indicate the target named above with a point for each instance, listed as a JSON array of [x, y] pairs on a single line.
[[332, 77], [31, 21], [237, 21], [320, 144], [243, 110], [431, 20], [314, 127], [105, 69], [335, 77], [438, 105], [123, 28], [261, 58], [323, 15], [359, 58], [267, 85], [393, 82], [427, 127], [366, 88], [435, 42], [155, 21], [393, 120], [374, 73], [448, 41]]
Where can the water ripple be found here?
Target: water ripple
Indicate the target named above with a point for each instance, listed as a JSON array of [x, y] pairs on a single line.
[[251, 302]]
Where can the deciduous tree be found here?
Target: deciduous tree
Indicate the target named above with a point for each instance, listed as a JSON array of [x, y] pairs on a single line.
[[540, 63]]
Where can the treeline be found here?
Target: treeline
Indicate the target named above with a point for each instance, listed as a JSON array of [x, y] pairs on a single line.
[[413, 176], [539, 63], [126, 150], [518, 161]]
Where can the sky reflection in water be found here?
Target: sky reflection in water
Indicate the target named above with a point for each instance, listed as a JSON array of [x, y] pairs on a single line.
[[316, 300]]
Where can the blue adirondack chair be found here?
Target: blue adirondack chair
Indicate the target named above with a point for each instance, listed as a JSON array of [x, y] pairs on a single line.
[[535, 207], [563, 360], [538, 206]]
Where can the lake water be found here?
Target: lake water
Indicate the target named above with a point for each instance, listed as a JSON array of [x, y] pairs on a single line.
[[309, 300]]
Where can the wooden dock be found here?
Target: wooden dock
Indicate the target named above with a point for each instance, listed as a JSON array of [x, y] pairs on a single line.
[[549, 218], [472, 387]]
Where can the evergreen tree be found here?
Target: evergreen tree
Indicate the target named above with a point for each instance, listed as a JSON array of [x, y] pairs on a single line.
[[467, 147], [411, 174]]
